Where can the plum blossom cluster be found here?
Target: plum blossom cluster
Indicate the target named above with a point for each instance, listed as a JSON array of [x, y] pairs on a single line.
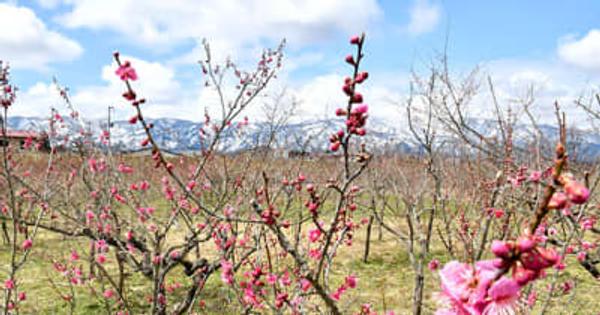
[[7, 98], [484, 288], [494, 286], [349, 283], [356, 115], [573, 193], [468, 289]]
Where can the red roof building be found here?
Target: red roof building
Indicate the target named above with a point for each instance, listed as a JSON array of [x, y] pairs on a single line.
[[20, 138]]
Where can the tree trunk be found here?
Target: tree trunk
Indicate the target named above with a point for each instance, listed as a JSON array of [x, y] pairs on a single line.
[[418, 291], [368, 239]]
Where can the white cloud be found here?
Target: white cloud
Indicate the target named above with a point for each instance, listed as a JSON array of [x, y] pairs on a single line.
[[48, 4], [320, 96], [36, 101], [424, 17], [584, 52], [157, 84], [26, 42], [235, 24], [551, 81]]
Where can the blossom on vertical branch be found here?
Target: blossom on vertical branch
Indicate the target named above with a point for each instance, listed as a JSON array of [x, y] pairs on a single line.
[[494, 286]]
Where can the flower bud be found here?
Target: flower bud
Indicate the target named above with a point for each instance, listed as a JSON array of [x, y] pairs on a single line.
[[523, 276], [350, 60], [334, 146], [348, 89], [525, 244], [360, 109], [539, 259], [577, 193], [340, 112], [357, 98], [27, 244], [361, 77], [501, 249], [558, 201]]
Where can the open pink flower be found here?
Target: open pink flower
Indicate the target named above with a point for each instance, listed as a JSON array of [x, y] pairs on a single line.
[[351, 281], [504, 295], [227, 272], [305, 285], [465, 286], [108, 293], [535, 176], [314, 235], [126, 72], [9, 284]]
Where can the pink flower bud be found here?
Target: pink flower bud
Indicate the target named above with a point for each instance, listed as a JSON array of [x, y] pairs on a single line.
[[539, 259], [340, 112], [535, 176], [558, 201], [335, 146], [355, 40], [361, 77], [314, 235], [74, 255], [357, 98], [577, 193], [433, 265], [27, 244], [523, 276], [501, 249], [108, 293], [351, 281], [361, 109], [312, 207], [525, 244], [305, 285], [350, 60], [129, 95], [348, 89], [101, 259], [9, 284]]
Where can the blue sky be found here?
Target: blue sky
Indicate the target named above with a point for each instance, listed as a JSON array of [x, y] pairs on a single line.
[[552, 44]]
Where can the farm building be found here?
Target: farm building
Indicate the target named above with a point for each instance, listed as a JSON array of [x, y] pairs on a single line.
[[21, 138]]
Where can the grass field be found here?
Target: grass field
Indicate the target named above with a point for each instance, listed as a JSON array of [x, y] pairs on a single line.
[[386, 282]]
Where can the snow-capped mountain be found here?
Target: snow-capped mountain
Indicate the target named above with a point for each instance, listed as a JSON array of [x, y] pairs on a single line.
[[178, 135], [183, 136]]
